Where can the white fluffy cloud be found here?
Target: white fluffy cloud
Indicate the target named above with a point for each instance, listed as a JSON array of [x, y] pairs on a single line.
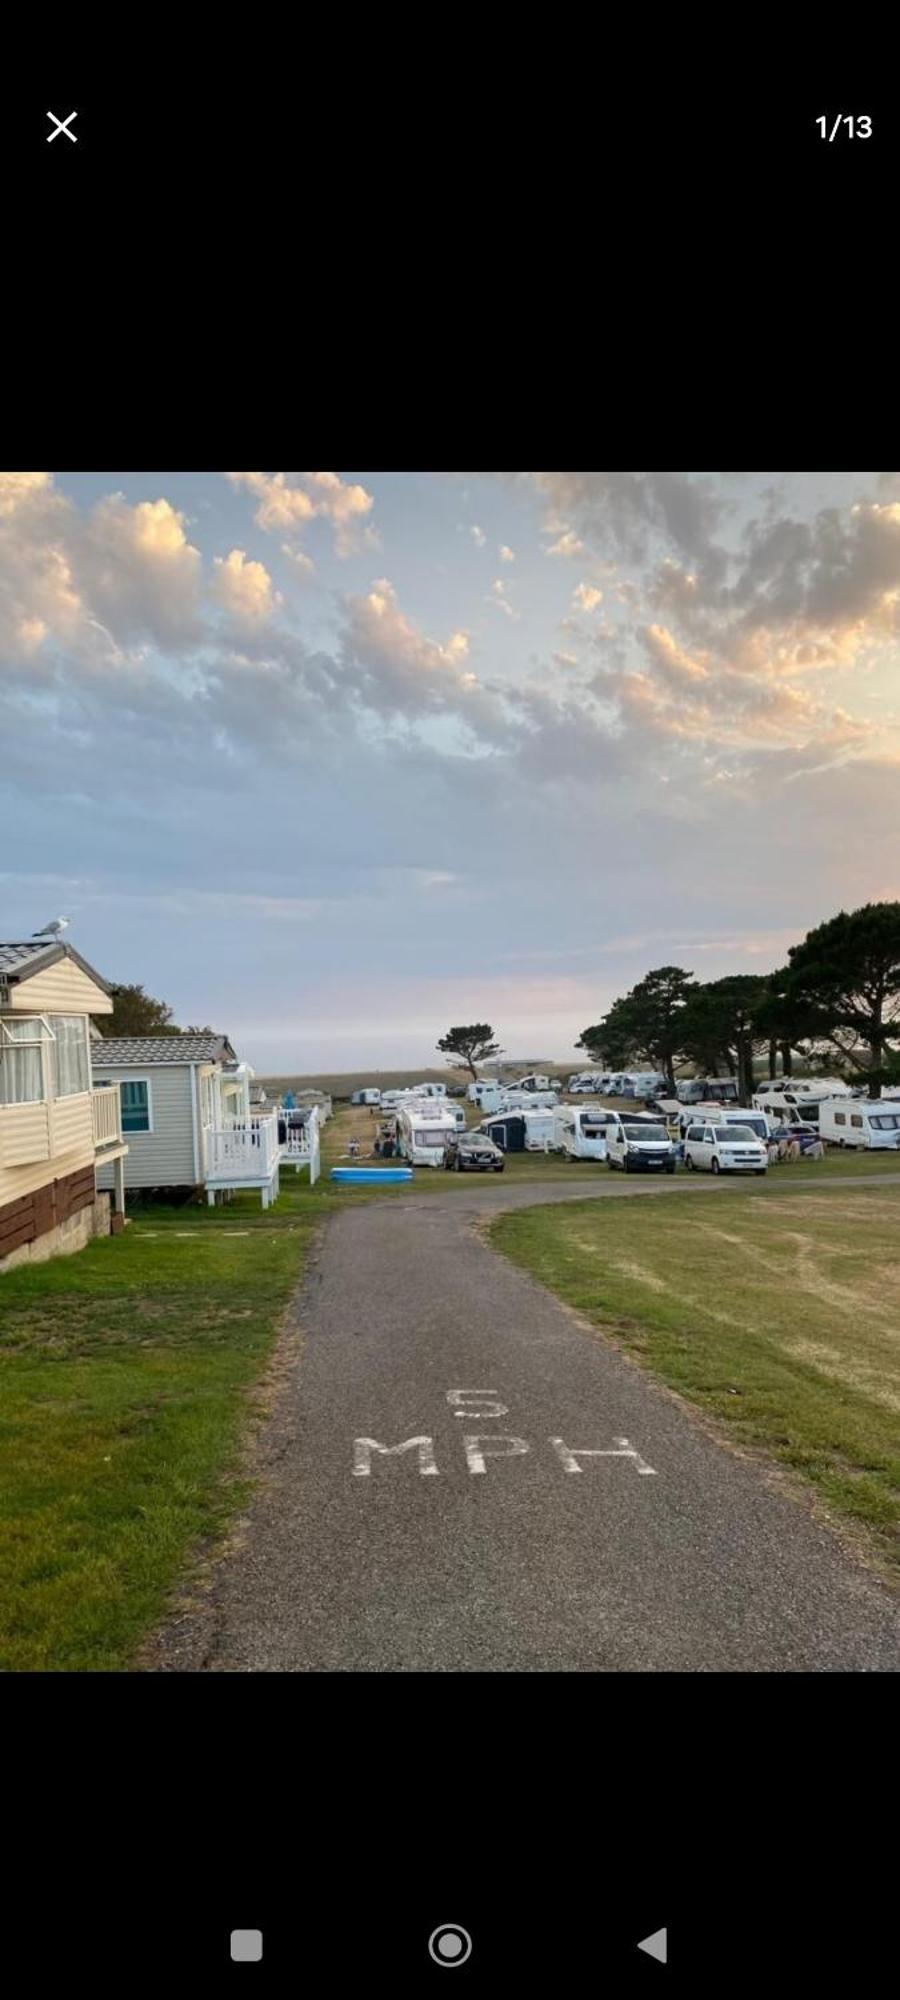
[[288, 502], [244, 587], [587, 597]]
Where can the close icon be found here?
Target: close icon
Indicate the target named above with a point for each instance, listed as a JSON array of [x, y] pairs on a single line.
[[61, 125], [656, 1946]]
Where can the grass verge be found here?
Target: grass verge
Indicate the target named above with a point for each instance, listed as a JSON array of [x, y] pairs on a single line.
[[780, 1316]]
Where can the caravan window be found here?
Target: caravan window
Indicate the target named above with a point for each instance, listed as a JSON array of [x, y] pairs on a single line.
[[856, 1120], [135, 1105], [21, 1061], [70, 1065], [885, 1122], [840, 1117], [430, 1135]]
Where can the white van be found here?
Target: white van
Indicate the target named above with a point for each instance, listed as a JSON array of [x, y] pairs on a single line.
[[724, 1148], [583, 1081], [580, 1132], [423, 1132], [366, 1097], [639, 1143], [867, 1123], [727, 1114]]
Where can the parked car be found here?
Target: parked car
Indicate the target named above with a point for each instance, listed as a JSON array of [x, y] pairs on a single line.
[[473, 1152], [639, 1143], [718, 1149]]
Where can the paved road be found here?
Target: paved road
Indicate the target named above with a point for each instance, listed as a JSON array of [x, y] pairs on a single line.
[[451, 1555]]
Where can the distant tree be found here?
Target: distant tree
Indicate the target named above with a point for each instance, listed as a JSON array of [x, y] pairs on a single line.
[[136, 1013], [720, 1023], [467, 1046], [847, 972], [647, 1023], [605, 1044], [788, 1023], [193, 1031]]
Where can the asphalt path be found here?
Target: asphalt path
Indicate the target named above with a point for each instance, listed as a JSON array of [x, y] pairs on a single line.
[[550, 1507]]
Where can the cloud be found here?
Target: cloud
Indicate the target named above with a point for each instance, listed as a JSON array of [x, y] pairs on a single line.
[[566, 544], [478, 536], [244, 588], [506, 554], [587, 596], [499, 599], [288, 502]]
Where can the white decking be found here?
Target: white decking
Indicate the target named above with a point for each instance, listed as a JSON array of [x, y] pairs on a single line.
[[244, 1155], [301, 1146]]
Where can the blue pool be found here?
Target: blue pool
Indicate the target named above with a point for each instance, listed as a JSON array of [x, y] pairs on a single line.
[[370, 1174]]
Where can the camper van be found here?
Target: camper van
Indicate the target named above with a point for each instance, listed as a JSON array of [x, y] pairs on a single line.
[[532, 1082], [580, 1132], [707, 1090], [423, 1130], [583, 1081], [366, 1097], [867, 1123], [486, 1092], [727, 1114]]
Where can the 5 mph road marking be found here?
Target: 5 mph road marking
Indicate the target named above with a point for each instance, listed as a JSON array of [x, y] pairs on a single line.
[[480, 1446]]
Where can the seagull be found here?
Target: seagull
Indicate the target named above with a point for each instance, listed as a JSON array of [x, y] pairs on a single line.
[[53, 930]]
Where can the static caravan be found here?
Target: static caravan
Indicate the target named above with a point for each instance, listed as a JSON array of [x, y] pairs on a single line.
[[581, 1132], [423, 1132], [867, 1123], [507, 1129], [187, 1115]]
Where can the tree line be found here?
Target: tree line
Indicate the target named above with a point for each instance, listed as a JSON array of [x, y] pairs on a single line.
[[839, 994]]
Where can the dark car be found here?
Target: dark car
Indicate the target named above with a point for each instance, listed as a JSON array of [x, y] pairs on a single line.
[[473, 1152]]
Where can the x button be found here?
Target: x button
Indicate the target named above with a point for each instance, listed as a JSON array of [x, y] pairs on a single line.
[[62, 125]]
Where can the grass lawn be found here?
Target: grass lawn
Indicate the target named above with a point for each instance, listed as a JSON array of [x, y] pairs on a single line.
[[779, 1314], [126, 1380]]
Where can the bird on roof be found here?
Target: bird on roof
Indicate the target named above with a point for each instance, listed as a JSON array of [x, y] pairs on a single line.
[[53, 929]]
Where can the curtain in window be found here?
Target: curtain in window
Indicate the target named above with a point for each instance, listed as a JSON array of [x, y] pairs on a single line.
[[71, 1066], [21, 1070]]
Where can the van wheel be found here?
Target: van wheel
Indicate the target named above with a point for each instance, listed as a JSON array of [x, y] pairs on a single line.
[[760, 1172], [689, 1163], [715, 1166], [611, 1165]]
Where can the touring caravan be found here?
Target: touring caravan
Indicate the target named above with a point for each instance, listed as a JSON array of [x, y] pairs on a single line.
[[867, 1123], [527, 1100], [423, 1131], [366, 1097], [583, 1081], [487, 1093], [581, 1132], [538, 1131]]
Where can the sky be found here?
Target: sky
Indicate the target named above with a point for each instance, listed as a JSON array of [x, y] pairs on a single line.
[[334, 761]]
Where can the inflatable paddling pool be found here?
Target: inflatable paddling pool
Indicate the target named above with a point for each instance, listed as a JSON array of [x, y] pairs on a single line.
[[369, 1174]]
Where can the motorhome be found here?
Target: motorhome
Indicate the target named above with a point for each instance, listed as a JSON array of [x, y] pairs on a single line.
[[707, 1090], [782, 1110], [532, 1082], [580, 1131], [865, 1123], [583, 1081], [423, 1130]]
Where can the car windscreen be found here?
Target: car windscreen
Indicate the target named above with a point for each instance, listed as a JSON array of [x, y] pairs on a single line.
[[740, 1133], [655, 1135]]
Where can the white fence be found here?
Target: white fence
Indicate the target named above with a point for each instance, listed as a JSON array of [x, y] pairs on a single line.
[[107, 1115], [301, 1144], [246, 1151]]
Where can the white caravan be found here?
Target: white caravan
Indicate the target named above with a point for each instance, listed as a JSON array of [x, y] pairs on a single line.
[[580, 1132], [532, 1082], [867, 1123], [423, 1133], [526, 1100], [583, 1081], [487, 1092], [538, 1131], [429, 1089], [366, 1097]]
